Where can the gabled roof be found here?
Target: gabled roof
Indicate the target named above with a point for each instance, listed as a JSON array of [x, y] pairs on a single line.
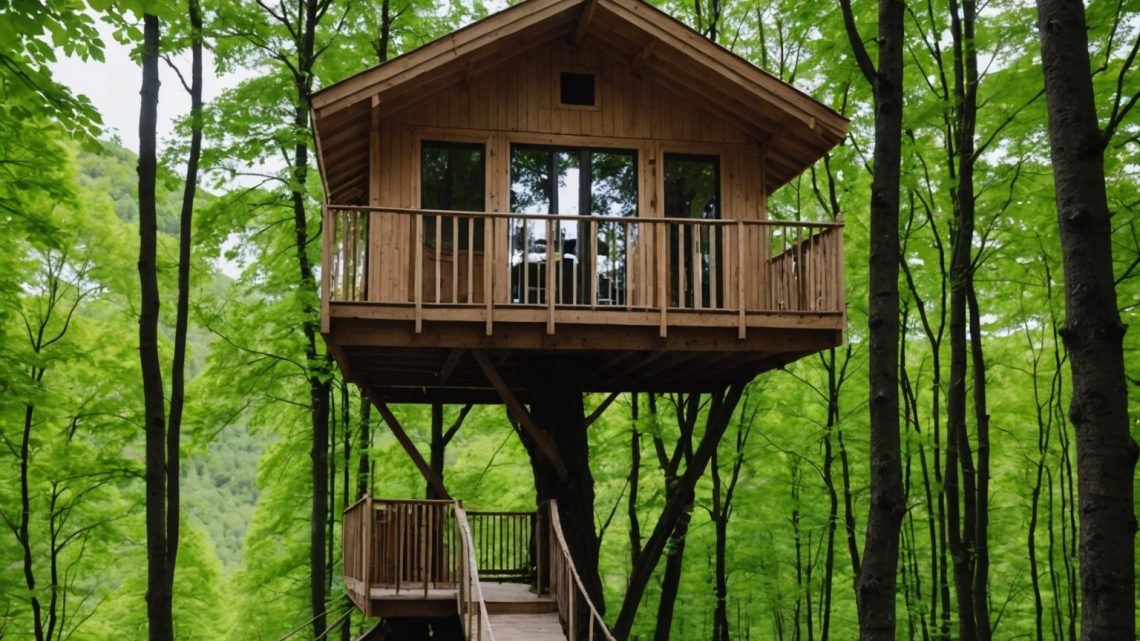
[[794, 129]]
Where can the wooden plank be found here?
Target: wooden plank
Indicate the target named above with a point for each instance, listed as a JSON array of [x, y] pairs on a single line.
[[409, 447], [520, 413]]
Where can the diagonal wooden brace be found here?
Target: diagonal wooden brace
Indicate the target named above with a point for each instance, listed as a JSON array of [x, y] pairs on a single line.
[[520, 413], [410, 448]]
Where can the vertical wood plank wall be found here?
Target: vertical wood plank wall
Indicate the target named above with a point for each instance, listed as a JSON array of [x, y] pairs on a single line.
[[518, 102]]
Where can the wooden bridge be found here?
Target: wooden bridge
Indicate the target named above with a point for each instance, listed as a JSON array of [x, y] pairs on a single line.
[[506, 575]]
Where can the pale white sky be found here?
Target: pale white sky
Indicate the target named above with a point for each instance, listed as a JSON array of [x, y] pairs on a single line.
[[113, 87]]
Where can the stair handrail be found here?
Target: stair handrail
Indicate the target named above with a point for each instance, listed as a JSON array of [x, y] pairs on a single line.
[[469, 592], [564, 552]]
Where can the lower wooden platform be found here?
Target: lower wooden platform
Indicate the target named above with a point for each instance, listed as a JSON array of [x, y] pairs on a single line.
[[413, 601]]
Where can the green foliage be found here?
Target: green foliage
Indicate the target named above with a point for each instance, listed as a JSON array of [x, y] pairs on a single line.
[[67, 263]]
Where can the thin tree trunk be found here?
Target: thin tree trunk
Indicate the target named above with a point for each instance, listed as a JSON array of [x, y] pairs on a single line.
[[1093, 333], [158, 595], [720, 412], [634, 479], [671, 576], [364, 444], [875, 584]]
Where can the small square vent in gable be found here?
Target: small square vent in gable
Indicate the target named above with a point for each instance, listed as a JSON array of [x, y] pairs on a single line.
[[577, 89]]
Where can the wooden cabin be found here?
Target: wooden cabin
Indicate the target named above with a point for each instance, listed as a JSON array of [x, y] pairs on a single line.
[[565, 186], [583, 179]]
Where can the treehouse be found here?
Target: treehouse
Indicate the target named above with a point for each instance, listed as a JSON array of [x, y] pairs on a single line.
[[568, 193]]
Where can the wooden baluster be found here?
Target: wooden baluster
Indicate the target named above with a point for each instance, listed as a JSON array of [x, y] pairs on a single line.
[[661, 230], [524, 295], [626, 263], [470, 259], [488, 270], [592, 262], [454, 259], [550, 274], [742, 326], [365, 553], [419, 272], [714, 274]]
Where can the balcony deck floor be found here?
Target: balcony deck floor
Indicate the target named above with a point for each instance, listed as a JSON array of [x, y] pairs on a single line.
[[398, 364]]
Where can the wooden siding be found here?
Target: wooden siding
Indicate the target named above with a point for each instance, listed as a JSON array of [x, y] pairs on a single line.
[[518, 102]]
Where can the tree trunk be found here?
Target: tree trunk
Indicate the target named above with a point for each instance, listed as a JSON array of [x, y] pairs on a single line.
[[556, 406], [671, 577], [1093, 333], [158, 595], [634, 479], [720, 412], [875, 584], [364, 444], [438, 448]]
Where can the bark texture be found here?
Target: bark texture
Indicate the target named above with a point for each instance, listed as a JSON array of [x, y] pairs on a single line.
[[556, 406], [158, 591], [875, 584], [1093, 333]]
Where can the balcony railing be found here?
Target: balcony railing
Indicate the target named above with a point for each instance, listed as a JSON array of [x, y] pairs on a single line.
[[480, 260]]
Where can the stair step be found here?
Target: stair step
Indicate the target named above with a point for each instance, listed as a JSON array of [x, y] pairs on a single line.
[[515, 598], [535, 606]]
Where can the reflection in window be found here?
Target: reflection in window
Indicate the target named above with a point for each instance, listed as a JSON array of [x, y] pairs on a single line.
[[692, 191], [571, 182], [452, 178]]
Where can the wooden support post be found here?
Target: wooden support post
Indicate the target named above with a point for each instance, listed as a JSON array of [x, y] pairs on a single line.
[[410, 448], [520, 413]]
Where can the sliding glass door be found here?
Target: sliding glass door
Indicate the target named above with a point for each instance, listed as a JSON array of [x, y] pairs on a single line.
[[581, 198], [692, 193]]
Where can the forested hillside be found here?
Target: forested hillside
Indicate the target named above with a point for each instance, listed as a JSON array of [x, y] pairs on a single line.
[[773, 542]]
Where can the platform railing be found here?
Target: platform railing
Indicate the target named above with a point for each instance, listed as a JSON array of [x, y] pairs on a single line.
[[402, 546], [479, 259], [503, 544], [558, 576]]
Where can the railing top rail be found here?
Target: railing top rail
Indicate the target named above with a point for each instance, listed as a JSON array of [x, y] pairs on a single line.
[[556, 527], [567, 217], [363, 499], [492, 513], [413, 501]]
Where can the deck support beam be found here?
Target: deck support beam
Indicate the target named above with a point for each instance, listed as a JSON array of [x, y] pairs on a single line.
[[409, 447], [449, 364], [519, 411]]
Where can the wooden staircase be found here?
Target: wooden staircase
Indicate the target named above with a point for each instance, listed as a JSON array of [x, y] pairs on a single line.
[[507, 575]]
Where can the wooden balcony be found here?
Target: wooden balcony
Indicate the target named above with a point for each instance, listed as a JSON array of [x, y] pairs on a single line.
[[629, 304]]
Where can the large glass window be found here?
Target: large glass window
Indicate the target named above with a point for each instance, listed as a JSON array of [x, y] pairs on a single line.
[[692, 191], [452, 177], [562, 182]]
